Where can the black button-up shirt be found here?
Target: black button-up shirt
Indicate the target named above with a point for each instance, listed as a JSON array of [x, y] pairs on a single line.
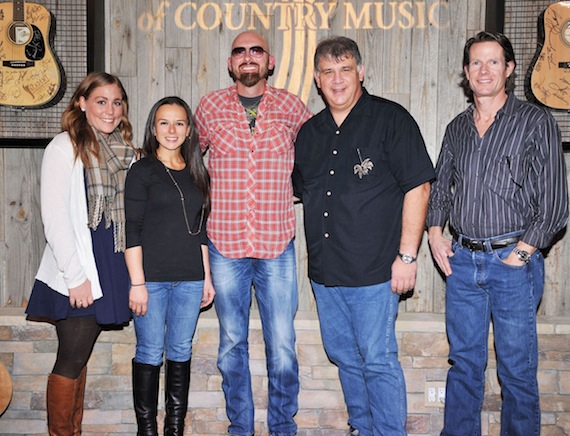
[[352, 180], [511, 179]]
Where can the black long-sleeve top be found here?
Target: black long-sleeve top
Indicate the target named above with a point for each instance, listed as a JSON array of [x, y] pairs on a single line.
[[155, 221]]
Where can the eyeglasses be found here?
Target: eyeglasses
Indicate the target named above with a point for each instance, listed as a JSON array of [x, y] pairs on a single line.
[[254, 52]]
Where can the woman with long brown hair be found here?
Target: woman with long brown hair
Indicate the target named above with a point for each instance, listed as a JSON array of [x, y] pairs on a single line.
[[82, 283], [167, 201]]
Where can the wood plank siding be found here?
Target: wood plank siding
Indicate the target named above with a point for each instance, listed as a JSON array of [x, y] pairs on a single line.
[[412, 52]]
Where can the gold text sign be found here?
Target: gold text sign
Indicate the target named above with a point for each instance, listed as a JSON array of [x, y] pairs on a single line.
[[297, 23]]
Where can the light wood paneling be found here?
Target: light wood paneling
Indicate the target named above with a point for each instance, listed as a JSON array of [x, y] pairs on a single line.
[[404, 50], [161, 48], [22, 239]]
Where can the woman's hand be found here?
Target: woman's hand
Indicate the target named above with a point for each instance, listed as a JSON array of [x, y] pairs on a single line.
[[81, 296], [208, 293], [138, 300]]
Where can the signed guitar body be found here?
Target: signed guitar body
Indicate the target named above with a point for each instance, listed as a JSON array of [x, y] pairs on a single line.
[[30, 74], [549, 78], [5, 388]]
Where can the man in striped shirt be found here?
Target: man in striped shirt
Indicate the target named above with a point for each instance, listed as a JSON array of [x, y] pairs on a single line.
[[249, 129], [501, 183]]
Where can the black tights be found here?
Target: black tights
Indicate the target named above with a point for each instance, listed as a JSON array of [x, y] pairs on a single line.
[[76, 337]]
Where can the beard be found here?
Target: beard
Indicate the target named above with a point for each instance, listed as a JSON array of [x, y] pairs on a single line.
[[249, 79]]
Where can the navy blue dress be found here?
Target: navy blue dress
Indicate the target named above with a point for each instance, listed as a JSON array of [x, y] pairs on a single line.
[[111, 308]]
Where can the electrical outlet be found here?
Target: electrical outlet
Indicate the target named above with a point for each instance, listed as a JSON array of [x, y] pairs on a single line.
[[434, 394]]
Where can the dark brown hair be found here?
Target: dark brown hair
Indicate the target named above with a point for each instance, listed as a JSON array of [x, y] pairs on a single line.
[[75, 122], [190, 149], [508, 53]]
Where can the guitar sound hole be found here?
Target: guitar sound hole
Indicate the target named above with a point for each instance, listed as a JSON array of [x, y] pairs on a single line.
[[20, 33], [566, 33], [36, 49]]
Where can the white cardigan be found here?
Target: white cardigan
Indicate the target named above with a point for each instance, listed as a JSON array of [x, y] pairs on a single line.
[[68, 257]]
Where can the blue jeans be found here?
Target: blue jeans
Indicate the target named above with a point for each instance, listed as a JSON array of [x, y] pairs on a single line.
[[169, 323], [275, 283], [482, 287], [357, 327]]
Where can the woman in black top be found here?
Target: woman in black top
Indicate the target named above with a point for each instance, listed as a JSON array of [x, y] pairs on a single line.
[[167, 204]]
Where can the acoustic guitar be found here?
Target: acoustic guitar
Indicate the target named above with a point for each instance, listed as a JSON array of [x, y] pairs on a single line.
[[31, 75], [5, 388], [549, 78]]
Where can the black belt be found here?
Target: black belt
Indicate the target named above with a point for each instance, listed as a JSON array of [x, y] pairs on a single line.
[[486, 244]]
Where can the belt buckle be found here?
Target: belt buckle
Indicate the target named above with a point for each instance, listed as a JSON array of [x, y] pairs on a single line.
[[475, 245]]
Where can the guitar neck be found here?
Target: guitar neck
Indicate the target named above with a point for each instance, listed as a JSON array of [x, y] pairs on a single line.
[[19, 6]]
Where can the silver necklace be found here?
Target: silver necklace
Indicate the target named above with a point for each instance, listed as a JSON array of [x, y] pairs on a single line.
[[184, 205]]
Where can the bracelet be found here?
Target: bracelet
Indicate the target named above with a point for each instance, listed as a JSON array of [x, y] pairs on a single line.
[[140, 284]]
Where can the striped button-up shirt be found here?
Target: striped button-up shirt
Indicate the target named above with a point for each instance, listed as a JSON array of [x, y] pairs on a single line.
[[511, 179], [252, 196]]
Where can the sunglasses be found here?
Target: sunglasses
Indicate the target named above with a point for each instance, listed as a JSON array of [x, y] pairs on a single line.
[[254, 52]]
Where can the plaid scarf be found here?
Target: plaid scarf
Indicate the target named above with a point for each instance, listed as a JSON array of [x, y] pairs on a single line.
[[106, 184]]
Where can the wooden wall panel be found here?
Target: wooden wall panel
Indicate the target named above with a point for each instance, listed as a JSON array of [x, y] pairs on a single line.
[[123, 39], [186, 53], [22, 238], [178, 76], [161, 48], [415, 62], [448, 105]]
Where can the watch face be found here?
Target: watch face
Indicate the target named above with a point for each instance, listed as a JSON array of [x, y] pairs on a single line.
[[523, 256], [406, 258]]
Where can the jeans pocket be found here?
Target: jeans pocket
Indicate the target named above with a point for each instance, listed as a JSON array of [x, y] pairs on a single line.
[[454, 247], [500, 256]]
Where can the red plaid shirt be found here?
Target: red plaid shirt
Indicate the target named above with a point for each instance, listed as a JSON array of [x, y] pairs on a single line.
[[252, 197]]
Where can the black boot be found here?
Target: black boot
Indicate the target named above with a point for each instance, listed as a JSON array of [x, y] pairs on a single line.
[[176, 392], [145, 395]]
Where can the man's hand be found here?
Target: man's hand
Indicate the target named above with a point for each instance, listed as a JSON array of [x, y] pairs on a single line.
[[440, 249], [513, 259], [403, 276]]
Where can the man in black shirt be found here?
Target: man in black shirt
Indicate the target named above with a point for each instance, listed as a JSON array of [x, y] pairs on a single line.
[[501, 182], [363, 175]]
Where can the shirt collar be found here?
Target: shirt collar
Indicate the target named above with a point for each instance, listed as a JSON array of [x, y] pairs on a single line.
[[268, 95], [510, 107], [360, 108]]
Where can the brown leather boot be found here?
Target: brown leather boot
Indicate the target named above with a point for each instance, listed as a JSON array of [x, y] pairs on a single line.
[[60, 398], [79, 397]]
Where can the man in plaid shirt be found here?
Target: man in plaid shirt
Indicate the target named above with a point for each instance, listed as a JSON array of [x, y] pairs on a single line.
[[249, 129]]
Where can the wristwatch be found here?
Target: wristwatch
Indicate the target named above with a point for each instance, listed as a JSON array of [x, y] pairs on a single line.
[[407, 258], [524, 256]]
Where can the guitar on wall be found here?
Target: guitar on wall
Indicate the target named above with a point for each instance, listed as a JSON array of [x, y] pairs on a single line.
[[548, 79], [31, 76]]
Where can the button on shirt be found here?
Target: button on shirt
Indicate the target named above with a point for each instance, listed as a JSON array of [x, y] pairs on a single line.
[[352, 180], [252, 198], [512, 179]]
